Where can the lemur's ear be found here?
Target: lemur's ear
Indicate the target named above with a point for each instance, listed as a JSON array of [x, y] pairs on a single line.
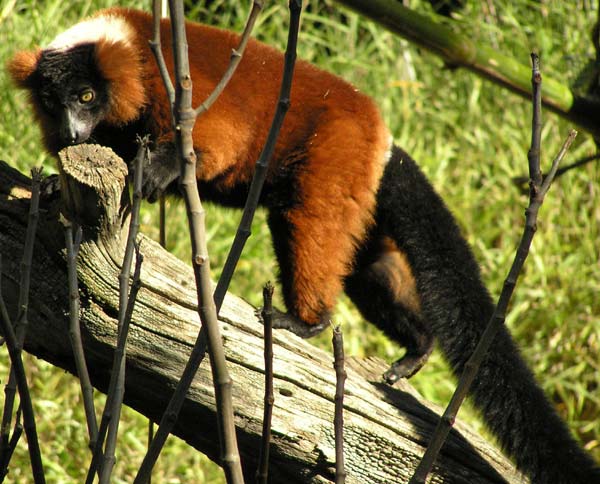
[[22, 65]]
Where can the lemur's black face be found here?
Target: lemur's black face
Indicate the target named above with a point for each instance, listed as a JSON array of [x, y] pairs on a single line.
[[72, 92]]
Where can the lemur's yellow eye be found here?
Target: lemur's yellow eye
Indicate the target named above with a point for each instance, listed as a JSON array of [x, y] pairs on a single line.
[[86, 96]]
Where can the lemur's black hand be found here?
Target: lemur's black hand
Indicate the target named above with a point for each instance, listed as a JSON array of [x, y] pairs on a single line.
[[160, 171]]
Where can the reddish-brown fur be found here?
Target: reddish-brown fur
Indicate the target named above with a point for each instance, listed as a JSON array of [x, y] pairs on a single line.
[[126, 80], [393, 267], [340, 180], [22, 65], [340, 185]]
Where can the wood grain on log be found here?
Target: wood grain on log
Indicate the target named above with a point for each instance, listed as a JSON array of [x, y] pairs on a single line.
[[386, 428]]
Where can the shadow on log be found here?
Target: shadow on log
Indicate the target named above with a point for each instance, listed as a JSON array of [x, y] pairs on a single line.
[[386, 428]]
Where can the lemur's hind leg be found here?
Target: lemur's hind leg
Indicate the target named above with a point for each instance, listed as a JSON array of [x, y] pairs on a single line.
[[308, 304], [321, 214], [383, 289]]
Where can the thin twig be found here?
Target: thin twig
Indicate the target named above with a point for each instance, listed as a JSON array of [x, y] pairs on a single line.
[[185, 119], [234, 60], [262, 472], [171, 413], [156, 47], [117, 400], [554, 169], [12, 444], [209, 331], [162, 238], [150, 437], [533, 155], [75, 332], [114, 397], [10, 389], [260, 173], [25, 279], [162, 231], [159, 10], [537, 194], [23, 304], [520, 181], [338, 419], [14, 439], [14, 352]]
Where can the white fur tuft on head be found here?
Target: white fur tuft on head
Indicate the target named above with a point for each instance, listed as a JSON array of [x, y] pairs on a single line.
[[110, 27]]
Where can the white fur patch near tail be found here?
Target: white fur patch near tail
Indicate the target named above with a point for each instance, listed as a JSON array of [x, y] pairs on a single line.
[[388, 153]]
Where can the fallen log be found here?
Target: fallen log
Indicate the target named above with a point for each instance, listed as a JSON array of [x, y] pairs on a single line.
[[386, 428]]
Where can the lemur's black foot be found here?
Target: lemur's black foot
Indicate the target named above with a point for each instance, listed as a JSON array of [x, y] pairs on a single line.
[[406, 366], [282, 320], [418, 340]]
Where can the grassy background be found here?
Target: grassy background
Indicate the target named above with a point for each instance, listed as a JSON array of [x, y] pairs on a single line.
[[469, 136]]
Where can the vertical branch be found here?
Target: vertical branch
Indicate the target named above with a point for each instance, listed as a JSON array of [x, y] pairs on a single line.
[[162, 231], [117, 400], [184, 117], [537, 194], [262, 473], [260, 173], [114, 397], [184, 121], [10, 390], [183, 126], [533, 155], [14, 352], [338, 420], [159, 10], [75, 332], [21, 323], [14, 440], [170, 414], [25, 280]]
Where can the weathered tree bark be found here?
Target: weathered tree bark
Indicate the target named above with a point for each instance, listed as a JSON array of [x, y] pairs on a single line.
[[386, 428]]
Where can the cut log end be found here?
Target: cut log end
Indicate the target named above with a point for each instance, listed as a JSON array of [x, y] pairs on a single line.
[[93, 183]]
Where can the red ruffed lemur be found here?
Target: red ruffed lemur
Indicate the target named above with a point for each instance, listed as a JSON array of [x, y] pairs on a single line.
[[348, 210]]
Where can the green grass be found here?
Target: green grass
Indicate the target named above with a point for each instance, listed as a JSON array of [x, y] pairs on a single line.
[[469, 136]]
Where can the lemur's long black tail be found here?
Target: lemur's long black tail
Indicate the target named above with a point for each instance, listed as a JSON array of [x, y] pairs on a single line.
[[457, 305]]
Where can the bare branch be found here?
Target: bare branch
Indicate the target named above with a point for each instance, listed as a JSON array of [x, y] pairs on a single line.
[[497, 319], [262, 164], [14, 351], [549, 178], [21, 327], [75, 332], [262, 472], [127, 298], [21, 322], [533, 155], [184, 117], [338, 420], [236, 57], [156, 47], [14, 440]]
